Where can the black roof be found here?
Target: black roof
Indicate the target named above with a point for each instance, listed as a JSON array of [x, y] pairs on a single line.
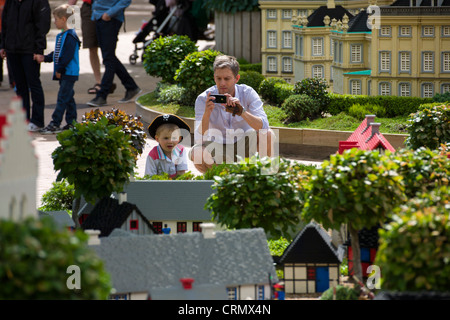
[[359, 22], [368, 238], [108, 215], [312, 245], [315, 19]]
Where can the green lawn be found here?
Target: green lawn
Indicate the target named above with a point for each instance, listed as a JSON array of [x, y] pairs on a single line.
[[276, 116]]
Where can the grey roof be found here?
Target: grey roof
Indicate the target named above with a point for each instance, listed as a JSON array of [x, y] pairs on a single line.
[[138, 264], [312, 245], [62, 218], [181, 200], [198, 292]]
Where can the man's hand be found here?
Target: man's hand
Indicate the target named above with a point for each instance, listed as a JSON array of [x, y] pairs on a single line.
[[235, 108], [3, 53], [38, 57], [58, 75], [106, 17]]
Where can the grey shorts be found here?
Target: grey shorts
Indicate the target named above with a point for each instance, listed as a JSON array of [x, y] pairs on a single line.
[[229, 153], [88, 29]]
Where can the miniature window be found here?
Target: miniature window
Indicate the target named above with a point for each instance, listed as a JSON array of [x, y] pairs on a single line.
[[445, 88], [302, 12], [311, 273], [405, 89], [405, 61], [260, 292], [287, 14], [287, 64], [356, 53], [445, 31], [404, 31], [385, 31], [317, 71], [181, 227], [196, 227], [271, 13], [271, 64], [427, 90], [232, 293], [317, 46], [385, 61], [427, 61], [271, 39], [355, 87], [385, 89], [158, 227], [427, 31], [287, 39], [134, 224], [446, 62]]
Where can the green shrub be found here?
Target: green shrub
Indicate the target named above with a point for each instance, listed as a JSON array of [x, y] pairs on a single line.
[[164, 55], [251, 78], [256, 67], [342, 293], [429, 127], [283, 91], [316, 88], [299, 107], [442, 97], [34, 259], [231, 6], [422, 169], [246, 197], [129, 124], [267, 89], [59, 197], [414, 251], [360, 111], [170, 94], [196, 73]]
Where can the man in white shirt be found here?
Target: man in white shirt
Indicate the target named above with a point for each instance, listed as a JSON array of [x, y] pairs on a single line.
[[238, 127]]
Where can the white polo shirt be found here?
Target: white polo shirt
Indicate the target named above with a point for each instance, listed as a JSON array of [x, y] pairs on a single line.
[[158, 162]]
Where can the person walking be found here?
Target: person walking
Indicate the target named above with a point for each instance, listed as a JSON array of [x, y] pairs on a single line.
[[25, 24], [109, 16]]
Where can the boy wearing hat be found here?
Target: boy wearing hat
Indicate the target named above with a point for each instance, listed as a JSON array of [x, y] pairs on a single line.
[[169, 155]]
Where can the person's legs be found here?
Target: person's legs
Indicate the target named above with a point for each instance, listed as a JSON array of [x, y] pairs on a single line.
[[95, 64], [65, 102], [33, 76], [17, 71]]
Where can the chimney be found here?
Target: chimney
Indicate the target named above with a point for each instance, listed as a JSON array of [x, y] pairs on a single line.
[[208, 230], [370, 118], [187, 283], [330, 4], [93, 237], [375, 128], [122, 197]]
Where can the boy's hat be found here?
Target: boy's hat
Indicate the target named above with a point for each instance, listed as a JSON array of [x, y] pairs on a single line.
[[166, 118]]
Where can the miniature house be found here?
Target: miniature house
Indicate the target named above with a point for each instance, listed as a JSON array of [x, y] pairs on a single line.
[[311, 262], [368, 245], [237, 261], [18, 165], [367, 137], [109, 214]]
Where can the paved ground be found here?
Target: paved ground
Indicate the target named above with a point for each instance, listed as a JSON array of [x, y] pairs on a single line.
[[44, 145]]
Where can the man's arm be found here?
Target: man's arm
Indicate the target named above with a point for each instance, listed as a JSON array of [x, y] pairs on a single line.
[[119, 7], [42, 21]]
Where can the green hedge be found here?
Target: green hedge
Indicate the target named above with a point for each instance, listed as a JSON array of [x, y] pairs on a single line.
[[394, 106]]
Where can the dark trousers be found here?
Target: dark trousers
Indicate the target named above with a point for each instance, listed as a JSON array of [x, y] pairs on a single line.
[[65, 103], [26, 74], [107, 34]]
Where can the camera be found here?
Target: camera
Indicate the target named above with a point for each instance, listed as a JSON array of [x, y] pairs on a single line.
[[220, 98]]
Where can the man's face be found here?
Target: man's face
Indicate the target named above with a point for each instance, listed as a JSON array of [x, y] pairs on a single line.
[[225, 80]]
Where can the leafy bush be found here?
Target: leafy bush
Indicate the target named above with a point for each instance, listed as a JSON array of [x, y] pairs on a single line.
[[267, 89], [394, 106], [34, 259], [59, 197], [95, 158], [251, 78], [414, 251], [429, 127], [246, 198], [256, 67], [231, 6], [196, 73], [170, 94], [316, 88], [342, 293], [299, 107], [129, 124], [164, 55], [360, 111], [442, 97], [422, 169]]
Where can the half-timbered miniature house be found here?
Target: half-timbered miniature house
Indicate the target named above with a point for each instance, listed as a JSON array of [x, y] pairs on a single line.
[[311, 263], [366, 137], [108, 214]]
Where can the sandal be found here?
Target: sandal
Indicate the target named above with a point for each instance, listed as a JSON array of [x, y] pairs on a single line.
[[94, 89]]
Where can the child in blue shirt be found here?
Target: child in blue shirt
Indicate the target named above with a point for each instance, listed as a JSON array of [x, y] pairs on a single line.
[[66, 69]]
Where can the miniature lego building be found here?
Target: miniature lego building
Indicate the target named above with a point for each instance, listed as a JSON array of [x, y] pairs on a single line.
[[366, 137], [18, 165], [311, 263], [238, 262]]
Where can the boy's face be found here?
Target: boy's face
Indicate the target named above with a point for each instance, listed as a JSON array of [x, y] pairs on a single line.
[[60, 23], [168, 139], [225, 80]]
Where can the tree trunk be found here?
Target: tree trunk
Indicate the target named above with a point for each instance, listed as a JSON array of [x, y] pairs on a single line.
[[357, 270], [75, 209]]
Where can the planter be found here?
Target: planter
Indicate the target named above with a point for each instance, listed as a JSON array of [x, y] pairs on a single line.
[[310, 144]]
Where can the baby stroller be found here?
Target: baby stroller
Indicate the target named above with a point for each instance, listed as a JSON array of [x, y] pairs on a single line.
[[166, 21]]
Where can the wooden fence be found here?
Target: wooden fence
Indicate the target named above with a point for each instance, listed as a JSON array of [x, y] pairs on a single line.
[[239, 34]]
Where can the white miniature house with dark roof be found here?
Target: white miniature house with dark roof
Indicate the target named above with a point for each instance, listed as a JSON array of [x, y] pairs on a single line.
[[18, 165], [311, 262]]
